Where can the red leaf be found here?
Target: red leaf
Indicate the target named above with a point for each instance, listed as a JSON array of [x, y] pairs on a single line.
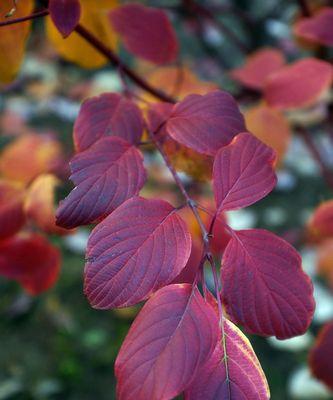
[[12, 216], [321, 355], [171, 338], [238, 377], [30, 260], [157, 115], [146, 32], [189, 272], [258, 67], [65, 15], [107, 115], [108, 173], [206, 123], [243, 172], [320, 225], [140, 247], [298, 85], [318, 28], [264, 287]]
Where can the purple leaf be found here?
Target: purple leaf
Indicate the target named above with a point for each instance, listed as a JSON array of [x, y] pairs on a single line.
[[65, 15]]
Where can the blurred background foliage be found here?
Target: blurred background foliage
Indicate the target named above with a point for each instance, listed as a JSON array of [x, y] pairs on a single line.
[[55, 346]]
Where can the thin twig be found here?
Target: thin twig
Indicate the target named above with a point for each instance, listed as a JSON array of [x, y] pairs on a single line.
[[38, 14]]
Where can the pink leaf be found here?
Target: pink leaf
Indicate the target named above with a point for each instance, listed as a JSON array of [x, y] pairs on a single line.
[[65, 15], [109, 114], [237, 377], [264, 287], [206, 122], [318, 28], [108, 173], [171, 338], [140, 247], [243, 172], [146, 32]]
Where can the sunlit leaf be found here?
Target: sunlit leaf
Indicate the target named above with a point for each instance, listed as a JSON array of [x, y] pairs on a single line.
[[142, 246], [264, 287], [78, 50], [173, 335]]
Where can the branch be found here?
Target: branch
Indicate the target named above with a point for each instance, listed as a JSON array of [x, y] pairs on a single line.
[[304, 6], [35, 15], [327, 174]]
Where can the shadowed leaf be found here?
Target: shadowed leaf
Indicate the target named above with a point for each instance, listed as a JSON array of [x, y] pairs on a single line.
[[65, 15]]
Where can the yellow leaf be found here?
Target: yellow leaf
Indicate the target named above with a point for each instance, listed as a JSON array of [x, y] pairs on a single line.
[[76, 49], [13, 39]]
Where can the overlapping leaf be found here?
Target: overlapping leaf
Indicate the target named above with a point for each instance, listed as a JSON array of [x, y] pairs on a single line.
[[12, 216], [258, 66], [169, 341], [76, 49], [286, 88], [321, 355], [13, 39], [31, 260], [108, 173], [317, 28], [206, 123], [236, 375], [264, 287], [142, 246], [109, 114], [65, 15], [270, 126], [146, 32], [243, 172]]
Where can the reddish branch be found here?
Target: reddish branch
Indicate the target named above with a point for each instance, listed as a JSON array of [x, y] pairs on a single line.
[[35, 15], [304, 6]]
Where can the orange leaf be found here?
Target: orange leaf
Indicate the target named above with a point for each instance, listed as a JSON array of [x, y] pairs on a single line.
[[270, 126], [31, 260], [13, 39], [74, 48], [298, 85], [320, 225], [39, 204], [325, 258], [258, 66], [29, 156], [12, 217]]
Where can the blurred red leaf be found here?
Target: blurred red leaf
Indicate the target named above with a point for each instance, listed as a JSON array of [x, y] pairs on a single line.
[[31, 260], [142, 246], [321, 355], [320, 225], [298, 85], [236, 375], [146, 32], [243, 172], [65, 15], [318, 28], [264, 287], [12, 216], [258, 66], [108, 173], [206, 123], [173, 335], [109, 114]]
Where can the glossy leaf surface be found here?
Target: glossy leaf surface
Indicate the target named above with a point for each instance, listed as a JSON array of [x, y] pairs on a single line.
[[31, 260], [206, 123], [243, 172], [317, 28], [65, 15], [109, 114], [169, 341], [142, 246], [264, 287], [286, 88], [108, 173], [258, 66], [321, 355], [237, 377], [146, 32]]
